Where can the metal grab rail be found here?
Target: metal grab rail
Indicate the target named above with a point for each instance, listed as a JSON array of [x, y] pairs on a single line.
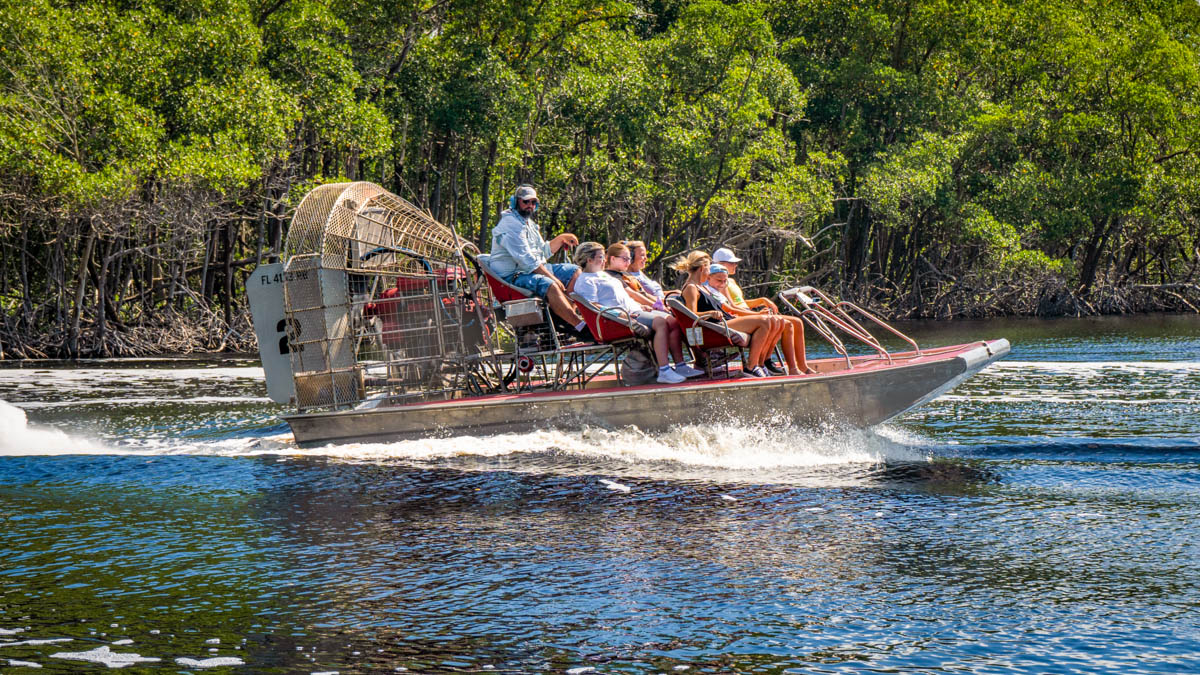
[[879, 322], [853, 326], [817, 312]]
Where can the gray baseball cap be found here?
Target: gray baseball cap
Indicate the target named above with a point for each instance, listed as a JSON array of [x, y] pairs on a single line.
[[526, 192]]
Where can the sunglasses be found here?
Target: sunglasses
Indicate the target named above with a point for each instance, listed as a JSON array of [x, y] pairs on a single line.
[[533, 201]]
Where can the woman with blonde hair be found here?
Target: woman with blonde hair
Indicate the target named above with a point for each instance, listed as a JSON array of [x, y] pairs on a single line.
[[764, 331]]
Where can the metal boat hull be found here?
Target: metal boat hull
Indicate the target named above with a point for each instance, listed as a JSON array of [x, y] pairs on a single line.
[[868, 394]]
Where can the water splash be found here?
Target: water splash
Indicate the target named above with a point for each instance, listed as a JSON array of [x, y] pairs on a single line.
[[18, 437], [105, 656], [728, 446]]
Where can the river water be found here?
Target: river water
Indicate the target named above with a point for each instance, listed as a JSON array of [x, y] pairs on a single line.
[[1044, 517]]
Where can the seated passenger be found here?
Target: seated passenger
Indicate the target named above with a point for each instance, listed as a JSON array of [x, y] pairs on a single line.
[[616, 262], [637, 262], [793, 327], [604, 290], [519, 256], [725, 258], [764, 331]]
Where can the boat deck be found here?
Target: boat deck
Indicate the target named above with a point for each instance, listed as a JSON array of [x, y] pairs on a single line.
[[608, 383]]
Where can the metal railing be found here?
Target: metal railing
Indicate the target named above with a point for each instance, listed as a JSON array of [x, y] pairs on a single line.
[[823, 314]]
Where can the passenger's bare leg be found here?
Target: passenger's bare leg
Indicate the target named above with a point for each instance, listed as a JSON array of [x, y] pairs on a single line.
[[759, 340], [789, 349], [798, 346], [759, 330], [778, 334], [660, 341], [675, 339], [775, 326], [561, 305]]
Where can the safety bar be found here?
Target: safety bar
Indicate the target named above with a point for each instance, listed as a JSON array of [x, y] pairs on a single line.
[[818, 325], [819, 308]]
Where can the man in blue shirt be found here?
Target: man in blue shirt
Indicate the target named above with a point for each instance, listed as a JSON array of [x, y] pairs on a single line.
[[519, 256]]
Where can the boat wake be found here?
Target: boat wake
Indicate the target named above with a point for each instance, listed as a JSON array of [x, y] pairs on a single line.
[[715, 446], [727, 447]]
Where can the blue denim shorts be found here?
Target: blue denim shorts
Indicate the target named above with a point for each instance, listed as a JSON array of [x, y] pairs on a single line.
[[540, 285]]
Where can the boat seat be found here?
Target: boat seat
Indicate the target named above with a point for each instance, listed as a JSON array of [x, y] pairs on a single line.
[[548, 337], [714, 335], [608, 324], [502, 290], [707, 339]]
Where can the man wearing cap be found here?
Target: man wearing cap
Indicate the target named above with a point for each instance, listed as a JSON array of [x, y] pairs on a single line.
[[725, 258], [520, 254]]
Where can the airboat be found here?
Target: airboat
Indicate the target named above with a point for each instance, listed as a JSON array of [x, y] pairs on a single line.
[[380, 323]]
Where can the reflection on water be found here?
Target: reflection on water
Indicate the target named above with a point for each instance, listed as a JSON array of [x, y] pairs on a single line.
[[1041, 518]]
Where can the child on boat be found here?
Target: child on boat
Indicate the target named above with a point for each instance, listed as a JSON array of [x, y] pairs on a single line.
[[604, 290]]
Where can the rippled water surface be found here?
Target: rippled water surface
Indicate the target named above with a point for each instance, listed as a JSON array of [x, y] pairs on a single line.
[[1041, 518]]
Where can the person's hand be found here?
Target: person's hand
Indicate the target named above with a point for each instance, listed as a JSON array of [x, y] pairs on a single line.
[[565, 239]]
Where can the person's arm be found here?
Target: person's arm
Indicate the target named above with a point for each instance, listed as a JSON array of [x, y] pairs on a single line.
[[640, 298], [544, 271], [738, 311], [691, 298], [652, 287], [565, 239], [528, 258], [755, 303]]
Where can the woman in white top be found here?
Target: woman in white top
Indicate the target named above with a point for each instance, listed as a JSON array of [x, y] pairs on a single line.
[[604, 290]]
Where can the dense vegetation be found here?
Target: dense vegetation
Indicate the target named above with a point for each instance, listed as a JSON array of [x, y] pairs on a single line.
[[926, 157]]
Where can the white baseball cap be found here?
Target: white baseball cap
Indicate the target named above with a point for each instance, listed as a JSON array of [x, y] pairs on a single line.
[[725, 255]]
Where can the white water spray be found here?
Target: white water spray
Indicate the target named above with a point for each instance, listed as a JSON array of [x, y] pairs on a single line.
[[18, 437]]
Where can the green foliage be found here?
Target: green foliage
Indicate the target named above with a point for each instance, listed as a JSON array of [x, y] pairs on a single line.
[[929, 142]]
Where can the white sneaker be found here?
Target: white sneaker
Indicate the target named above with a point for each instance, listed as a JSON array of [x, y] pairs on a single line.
[[669, 376], [688, 371]]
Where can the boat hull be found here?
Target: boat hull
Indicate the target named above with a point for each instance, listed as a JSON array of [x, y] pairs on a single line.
[[870, 393]]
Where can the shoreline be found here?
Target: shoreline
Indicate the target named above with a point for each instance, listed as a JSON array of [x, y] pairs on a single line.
[[918, 325]]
